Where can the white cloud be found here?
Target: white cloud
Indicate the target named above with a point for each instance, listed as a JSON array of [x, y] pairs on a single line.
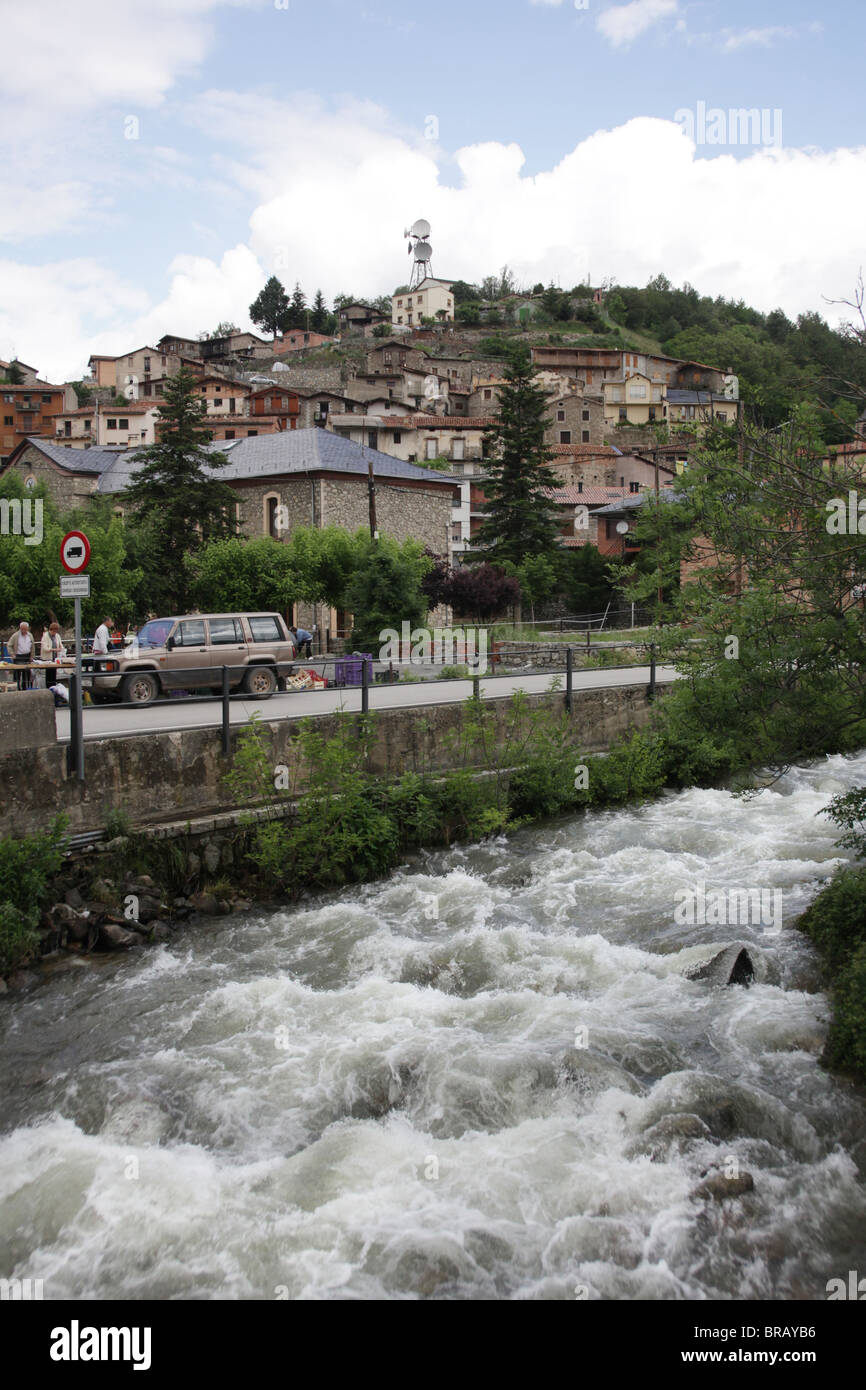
[[330, 192], [761, 38], [622, 24], [74, 56]]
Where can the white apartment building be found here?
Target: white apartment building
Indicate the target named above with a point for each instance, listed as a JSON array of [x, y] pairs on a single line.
[[431, 300]]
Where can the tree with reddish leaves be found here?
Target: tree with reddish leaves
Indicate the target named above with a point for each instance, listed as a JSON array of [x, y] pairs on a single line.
[[481, 592]]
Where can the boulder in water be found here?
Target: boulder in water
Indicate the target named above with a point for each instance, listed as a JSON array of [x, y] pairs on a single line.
[[738, 963], [671, 1133], [718, 1188]]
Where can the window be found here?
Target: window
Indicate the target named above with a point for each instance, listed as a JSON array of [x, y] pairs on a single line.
[[218, 400], [622, 481], [8, 419], [224, 631], [265, 630], [232, 401], [398, 435], [565, 436], [250, 433], [229, 434], [560, 414], [146, 365], [432, 449], [162, 361], [637, 392], [634, 487], [623, 413], [488, 394], [387, 359], [584, 436], [111, 424], [400, 306], [457, 447], [8, 399], [400, 319], [46, 400], [190, 633], [267, 402], [580, 487], [123, 424], [584, 415]]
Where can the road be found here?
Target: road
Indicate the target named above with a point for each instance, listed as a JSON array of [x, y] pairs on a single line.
[[106, 721]]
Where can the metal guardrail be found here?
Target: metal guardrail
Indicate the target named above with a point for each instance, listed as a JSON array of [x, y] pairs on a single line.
[[227, 688]]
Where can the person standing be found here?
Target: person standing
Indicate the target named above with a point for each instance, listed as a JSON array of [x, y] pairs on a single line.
[[102, 638], [302, 639], [21, 651], [52, 649]]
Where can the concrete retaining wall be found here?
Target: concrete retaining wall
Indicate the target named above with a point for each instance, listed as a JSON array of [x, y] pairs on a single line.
[[171, 776]]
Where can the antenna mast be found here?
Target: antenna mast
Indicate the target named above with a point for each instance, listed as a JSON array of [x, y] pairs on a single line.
[[419, 246]]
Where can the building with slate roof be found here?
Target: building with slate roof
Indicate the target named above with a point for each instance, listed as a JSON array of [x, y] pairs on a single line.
[[281, 481]]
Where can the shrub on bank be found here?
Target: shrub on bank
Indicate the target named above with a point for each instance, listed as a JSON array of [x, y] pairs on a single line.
[[836, 923], [27, 867]]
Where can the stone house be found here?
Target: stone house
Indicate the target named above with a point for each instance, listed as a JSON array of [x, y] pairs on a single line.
[[575, 419], [393, 355], [134, 373], [304, 477], [416, 438], [359, 319]]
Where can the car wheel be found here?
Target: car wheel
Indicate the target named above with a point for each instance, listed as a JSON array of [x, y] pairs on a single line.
[[140, 688], [260, 681]]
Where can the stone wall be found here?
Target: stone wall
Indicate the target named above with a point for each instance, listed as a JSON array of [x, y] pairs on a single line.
[[180, 775], [66, 490], [402, 512], [540, 656]]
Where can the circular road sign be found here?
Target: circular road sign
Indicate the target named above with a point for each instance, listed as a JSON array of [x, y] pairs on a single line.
[[75, 552]]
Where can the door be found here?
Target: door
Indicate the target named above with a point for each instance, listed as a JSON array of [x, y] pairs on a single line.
[[228, 647], [190, 650]]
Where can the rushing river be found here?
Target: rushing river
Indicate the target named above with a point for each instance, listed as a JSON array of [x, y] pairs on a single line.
[[485, 1078]]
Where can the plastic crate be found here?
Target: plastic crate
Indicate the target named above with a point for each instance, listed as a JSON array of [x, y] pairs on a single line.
[[348, 670]]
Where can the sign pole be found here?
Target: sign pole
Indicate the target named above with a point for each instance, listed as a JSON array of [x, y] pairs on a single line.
[[77, 710]]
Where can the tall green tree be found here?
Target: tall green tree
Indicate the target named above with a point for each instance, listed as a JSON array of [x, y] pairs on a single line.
[[385, 589], [177, 506], [270, 309], [519, 519], [297, 314], [319, 314]]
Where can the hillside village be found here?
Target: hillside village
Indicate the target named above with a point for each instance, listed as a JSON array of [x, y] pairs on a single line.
[[408, 387]]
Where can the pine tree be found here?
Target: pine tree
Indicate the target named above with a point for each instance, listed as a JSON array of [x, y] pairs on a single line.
[[319, 315], [297, 316], [519, 519], [177, 506], [270, 310]]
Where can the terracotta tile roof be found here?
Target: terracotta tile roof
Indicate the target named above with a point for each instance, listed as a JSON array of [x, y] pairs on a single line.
[[588, 496]]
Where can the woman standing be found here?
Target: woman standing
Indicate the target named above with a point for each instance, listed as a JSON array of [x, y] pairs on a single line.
[[52, 649]]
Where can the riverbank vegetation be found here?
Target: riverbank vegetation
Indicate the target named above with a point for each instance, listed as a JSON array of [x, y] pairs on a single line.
[[27, 868]]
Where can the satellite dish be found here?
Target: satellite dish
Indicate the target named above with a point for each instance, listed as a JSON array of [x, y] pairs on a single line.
[[621, 528], [423, 251], [420, 228]]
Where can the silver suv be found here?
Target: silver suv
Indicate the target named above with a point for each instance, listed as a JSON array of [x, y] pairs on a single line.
[[188, 653]]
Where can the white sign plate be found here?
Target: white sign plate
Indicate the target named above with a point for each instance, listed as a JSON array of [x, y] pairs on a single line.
[[75, 586]]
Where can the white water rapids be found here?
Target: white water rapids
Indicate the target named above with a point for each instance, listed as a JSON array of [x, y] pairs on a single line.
[[377, 1093]]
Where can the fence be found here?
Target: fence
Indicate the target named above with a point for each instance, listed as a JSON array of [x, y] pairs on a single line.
[[224, 684]]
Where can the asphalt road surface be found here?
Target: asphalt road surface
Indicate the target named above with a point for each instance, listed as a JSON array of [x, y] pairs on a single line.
[[106, 721]]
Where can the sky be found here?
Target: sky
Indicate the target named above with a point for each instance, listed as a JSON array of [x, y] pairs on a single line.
[[160, 161]]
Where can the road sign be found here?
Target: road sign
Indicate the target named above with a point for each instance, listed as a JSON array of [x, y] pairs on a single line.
[[75, 586], [75, 552]]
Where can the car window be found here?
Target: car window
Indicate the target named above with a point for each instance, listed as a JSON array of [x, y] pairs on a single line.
[[154, 633], [265, 630], [190, 634], [225, 630]]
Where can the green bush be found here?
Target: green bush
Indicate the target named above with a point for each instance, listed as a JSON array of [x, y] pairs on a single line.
[[454, 673], [27, 867], [836, 920], [846, 1044]]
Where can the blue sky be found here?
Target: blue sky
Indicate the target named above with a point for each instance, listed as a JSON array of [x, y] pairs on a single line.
[[293, 137]]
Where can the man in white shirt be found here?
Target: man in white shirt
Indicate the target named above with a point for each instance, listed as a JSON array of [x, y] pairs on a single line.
[[102, 638], [21, 651]]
